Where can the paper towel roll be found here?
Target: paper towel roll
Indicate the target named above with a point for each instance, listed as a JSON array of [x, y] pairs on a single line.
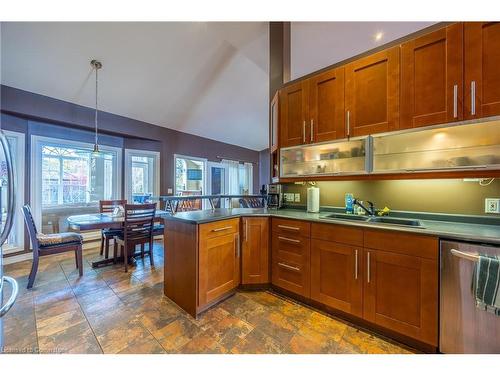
[[313, 199]]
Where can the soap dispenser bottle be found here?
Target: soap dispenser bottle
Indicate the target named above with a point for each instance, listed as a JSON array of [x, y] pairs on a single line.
[[349, 203]]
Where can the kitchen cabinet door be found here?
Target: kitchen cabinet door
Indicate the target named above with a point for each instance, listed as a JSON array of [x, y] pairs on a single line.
[[401, 294], [372, 93], [255, 250], [326, 106], [336, 276], [432, 78], [482, 69], [293, 114], [219, 266], [274, 123]]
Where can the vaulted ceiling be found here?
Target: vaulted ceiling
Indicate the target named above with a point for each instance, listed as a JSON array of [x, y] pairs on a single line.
[[208, 79], [205, 78]]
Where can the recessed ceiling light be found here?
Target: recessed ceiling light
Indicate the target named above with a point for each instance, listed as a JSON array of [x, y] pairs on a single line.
[[379, 36]]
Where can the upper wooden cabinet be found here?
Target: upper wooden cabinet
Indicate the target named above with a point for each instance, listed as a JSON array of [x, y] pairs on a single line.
[[274, 121], [255, 250], [326, 106], [432, 78], [482, 69], [372, 93], [313, 110], [293, 114]]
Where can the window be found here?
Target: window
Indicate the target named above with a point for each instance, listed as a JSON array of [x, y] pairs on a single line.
[[189, 175], [142, 174], [245, 178], [15, 241], [240, 177], [66, 175]]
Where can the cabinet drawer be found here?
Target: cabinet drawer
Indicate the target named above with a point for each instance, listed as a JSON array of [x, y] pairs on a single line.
[[337, 233], [291, 227], [403, 243], [219, 228], [292, 276], [292, 248]]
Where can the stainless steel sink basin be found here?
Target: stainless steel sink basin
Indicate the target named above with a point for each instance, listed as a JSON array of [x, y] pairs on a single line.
[[346, 217], [376, 219], [396, 221]]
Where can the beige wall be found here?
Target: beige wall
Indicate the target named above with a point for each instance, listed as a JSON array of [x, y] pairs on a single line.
[[453, 196]]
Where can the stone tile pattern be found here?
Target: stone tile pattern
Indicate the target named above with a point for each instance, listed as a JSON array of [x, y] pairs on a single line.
[[110, 311]]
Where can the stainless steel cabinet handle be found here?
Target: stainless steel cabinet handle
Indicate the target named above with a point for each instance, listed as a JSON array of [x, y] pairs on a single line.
[[15, 291], [312, 131], [284, 265], [455, 101], [355, 264], [288, 227], [458, 167], [288, 239], [348, 122], [238, 249], [473, 98], [368, 267], [304, 131], [220, 229]]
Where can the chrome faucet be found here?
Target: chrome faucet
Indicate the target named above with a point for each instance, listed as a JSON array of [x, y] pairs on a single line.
[[370, 211]]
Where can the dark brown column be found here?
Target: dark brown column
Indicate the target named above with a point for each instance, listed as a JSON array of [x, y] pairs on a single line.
[[279, 55]]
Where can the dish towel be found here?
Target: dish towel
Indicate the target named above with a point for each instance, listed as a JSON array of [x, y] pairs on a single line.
[[486, 283]]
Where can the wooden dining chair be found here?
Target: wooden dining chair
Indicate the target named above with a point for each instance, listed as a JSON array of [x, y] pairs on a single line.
[[252, 202], [137, 230], [108, 206], [49, 244]]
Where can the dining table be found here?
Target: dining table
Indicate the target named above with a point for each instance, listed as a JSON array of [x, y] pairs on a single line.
[[99, 221]]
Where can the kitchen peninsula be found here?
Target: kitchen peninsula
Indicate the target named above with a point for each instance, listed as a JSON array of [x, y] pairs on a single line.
[[383, 276]]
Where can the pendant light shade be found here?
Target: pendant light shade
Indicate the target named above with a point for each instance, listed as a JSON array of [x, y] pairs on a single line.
[[96, 65]]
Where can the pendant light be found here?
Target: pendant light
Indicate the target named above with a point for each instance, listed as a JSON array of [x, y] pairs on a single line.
[[96, 65]]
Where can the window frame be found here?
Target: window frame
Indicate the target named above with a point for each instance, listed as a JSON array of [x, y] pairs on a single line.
[[35, 170], [20, 173], [129, 153], [204, 160]]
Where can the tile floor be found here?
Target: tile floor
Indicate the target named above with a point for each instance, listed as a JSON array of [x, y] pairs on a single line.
[[110, 311]]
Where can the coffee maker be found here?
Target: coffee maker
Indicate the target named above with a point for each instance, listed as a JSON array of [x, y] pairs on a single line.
[[274, 196]]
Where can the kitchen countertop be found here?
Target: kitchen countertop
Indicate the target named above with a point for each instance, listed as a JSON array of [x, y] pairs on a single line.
[[442, 229]]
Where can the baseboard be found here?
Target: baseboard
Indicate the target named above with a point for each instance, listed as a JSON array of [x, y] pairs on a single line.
[[17, 258]]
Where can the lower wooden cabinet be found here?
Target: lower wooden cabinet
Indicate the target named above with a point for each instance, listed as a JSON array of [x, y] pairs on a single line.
[[219, 260], [291, 256], [336, 277], [255, 250], [385, 277], [401, 294]]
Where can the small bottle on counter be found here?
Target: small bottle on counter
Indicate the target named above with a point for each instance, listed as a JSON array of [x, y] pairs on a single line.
[[349, 205]]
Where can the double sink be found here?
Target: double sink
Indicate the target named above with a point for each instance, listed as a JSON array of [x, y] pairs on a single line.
[[375, 219]]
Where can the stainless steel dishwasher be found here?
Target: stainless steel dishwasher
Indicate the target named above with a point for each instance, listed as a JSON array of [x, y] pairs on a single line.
[[463, 328]]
